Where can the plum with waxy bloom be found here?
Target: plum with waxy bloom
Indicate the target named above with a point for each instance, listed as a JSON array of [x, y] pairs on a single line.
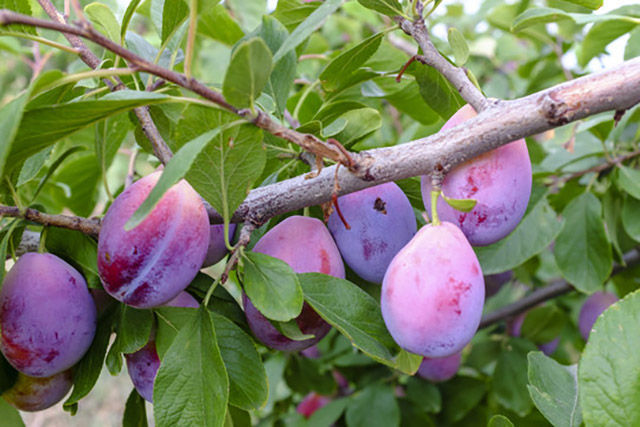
[[306, 245], [155, 261], [433, 292], [47, 315], [35, 394]]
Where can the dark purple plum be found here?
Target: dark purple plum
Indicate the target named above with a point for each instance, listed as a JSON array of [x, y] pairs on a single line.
[[381, 222], [35, 394], [515, 326], [217, 247], [143, 365], [306, 245], [152, 263], [433, 292], [47, 314], [311, 403], [500, 181], [494, 282], [593, 307], [439, 369]]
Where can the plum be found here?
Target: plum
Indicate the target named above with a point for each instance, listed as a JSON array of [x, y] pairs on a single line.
[[35, 394], [494, 282], [152, 263], [311, 403], [593, 307], [143, 365], [500, 182], [306, 245], [217, 247], [382, 222], [515, 326], [433, 292], [439, 369], [47, 314]]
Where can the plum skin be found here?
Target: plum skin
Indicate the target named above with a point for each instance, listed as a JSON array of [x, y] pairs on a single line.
[[433, 292], [152, 263], [500, 181], [47, 315], [439, 369], [306, 245], [35, 394], [143, 365], [311, 403], [591, 309], [217, 248], [382, 222]]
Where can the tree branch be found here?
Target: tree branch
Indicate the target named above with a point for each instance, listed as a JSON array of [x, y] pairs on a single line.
[[160, 148], [430, 56], [555, 289], [85, 225], [306, 141]]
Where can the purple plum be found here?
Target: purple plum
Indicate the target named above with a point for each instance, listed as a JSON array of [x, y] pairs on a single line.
[[152, 263], [439, 369], [306, 245], [515, 326], [433, 292], [217, 248], [381, 222], [35, 394], [143, 365], [593, 307], [500, 182], [47, 314]]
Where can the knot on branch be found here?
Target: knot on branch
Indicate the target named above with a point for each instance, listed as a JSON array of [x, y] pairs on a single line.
[[556, 110]]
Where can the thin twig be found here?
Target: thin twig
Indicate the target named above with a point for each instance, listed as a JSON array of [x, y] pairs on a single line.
[[599, 168], [243, 240], [430, 56], [553, 290], [307, 141], [89, 226], [131, 169]]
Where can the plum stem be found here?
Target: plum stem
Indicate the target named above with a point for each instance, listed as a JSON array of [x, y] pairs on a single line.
[[334, 199], [43, 240], [435, 193]]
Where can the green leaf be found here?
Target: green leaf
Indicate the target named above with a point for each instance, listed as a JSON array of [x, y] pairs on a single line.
[[174, 171], [126, 19], [354, 125], [540, 15], [170, 321], [630, 217], [42, 127], [608, 371], [386, 7], [307, 27], [543, 324], [339, 70], [459, 46], [629, 181], [284, 71], [227, 168], [510, 378], [291, 330], [272, 286], [536, 231], [10, 415], [463, 205], [632, 49], [590, 4], [135, 414], [554, 390], [424, 394], [499, 421], [192, 387], [78, 249], [582, 251], [87, 370], [304, 375], [134, 329], [461, 395], [436, 91], [248, 388], [103, 20], [328, 414], [291, 12], [22, 7], [110, 134], [372, 407], [248, 73], [352, 311], [216, 23], [167, 16], [10, 116]]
